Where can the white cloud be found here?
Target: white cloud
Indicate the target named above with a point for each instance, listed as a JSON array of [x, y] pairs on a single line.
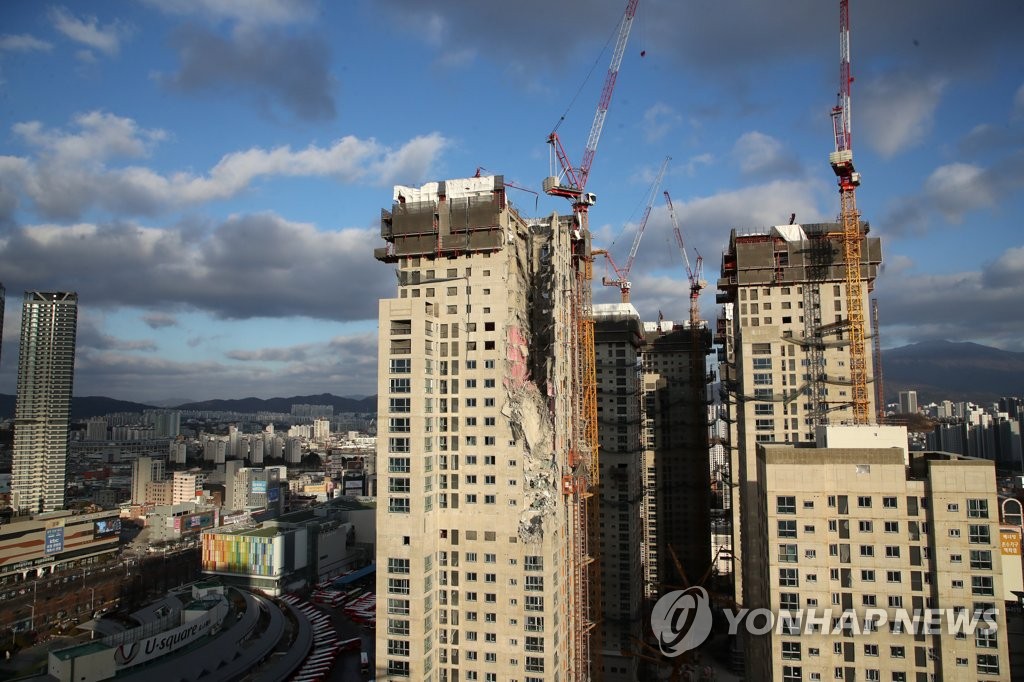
[[70, 175], [695, 162], [957, 188], [23, 43], [896, 111], [658, 121], [244, 12], [761, 154], [89, 32]]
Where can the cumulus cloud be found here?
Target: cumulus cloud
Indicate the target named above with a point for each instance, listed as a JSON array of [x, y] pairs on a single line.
[[658, 121], [23, 42], [916, 306], [159, 320], [247, 14], [293, 354], [91, 336], [273, 67], [953, 190], [763, 155], [248, 266], [896, 111], [88, 31], [70, 173]]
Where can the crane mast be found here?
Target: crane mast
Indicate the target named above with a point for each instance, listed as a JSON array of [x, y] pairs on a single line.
[[622, 274], [692, 275], [841, 161], [582, 477]]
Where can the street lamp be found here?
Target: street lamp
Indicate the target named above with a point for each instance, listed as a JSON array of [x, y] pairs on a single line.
[[32, 617]]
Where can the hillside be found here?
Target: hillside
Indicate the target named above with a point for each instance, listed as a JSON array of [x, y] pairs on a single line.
[[940, 370], [251, 405], [82, 407]]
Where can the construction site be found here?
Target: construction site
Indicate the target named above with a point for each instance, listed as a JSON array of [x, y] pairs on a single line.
[[547, 460]]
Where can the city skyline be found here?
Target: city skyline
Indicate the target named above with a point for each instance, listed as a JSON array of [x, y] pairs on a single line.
[[219, 223]]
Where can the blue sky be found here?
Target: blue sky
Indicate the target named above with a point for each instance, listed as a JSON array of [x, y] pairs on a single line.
[[208, 174]]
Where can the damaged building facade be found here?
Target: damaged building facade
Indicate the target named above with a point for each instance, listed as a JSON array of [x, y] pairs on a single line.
[[474, 575]]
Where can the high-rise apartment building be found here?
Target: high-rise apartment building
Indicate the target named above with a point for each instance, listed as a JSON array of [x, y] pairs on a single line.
[[786, 356], [475, 369], [46, 367], [677, 505], [908, 402], [146, 470], [854, 543], [618, 336]]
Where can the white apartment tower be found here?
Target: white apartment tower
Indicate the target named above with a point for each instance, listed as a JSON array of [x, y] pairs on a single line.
[[853, 543], [786, 366], [473, 530], [46, 368]]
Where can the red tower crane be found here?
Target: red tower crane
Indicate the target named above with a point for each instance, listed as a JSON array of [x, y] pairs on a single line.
[[622, 274], [841, 161], [693, 275], [582, 476]]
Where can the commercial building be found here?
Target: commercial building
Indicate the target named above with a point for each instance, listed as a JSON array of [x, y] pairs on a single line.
[[475, 574], [785, 359], [32, 546], [618, 337], [852, 545], [46, 367], [147, 470]]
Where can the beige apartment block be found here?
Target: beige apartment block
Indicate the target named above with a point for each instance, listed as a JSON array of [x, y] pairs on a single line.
[[474, 367], [786, 365], [855, 531]]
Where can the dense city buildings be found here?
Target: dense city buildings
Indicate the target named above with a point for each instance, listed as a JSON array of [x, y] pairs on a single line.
[[855, 545], [474, 367], [46, 366]]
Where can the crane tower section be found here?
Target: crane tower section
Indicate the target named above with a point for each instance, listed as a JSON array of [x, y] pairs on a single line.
[[848, 178]]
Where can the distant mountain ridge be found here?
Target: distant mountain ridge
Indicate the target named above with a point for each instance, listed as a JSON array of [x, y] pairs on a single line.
[[948, 370], [84, 407], [248, 405]]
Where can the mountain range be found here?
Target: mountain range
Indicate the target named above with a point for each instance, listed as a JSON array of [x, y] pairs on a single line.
[[937, 370], [83, 407]]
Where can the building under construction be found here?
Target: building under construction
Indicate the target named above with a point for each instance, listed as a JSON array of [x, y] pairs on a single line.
[[483, 565], [677, 500], [785, 338]]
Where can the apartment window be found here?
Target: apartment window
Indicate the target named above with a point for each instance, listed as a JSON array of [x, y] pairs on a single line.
[[988, 664], [867, 575], [398, 586], [399, 465], [789, 577], [787, 529], [982, 585], [791, 651], [977, 509], [870, 649], [953, 507], [398, 668], [864, 501], [787, 554], [534, 583], [535, 623], [981, 559], [401, 386], [398, 505], [398, 445], [895, 601], [401, 365], [979, 534], [399, 405], [893, 577], [534, 603], [892, 552], [398, 647], [789, 601], [889, 503], [892, 526], [785, 504], [954, 532], [867, 550], [792, 673], [865, 526]]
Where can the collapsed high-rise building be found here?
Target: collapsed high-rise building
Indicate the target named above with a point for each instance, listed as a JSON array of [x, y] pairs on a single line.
[[476, 578]]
